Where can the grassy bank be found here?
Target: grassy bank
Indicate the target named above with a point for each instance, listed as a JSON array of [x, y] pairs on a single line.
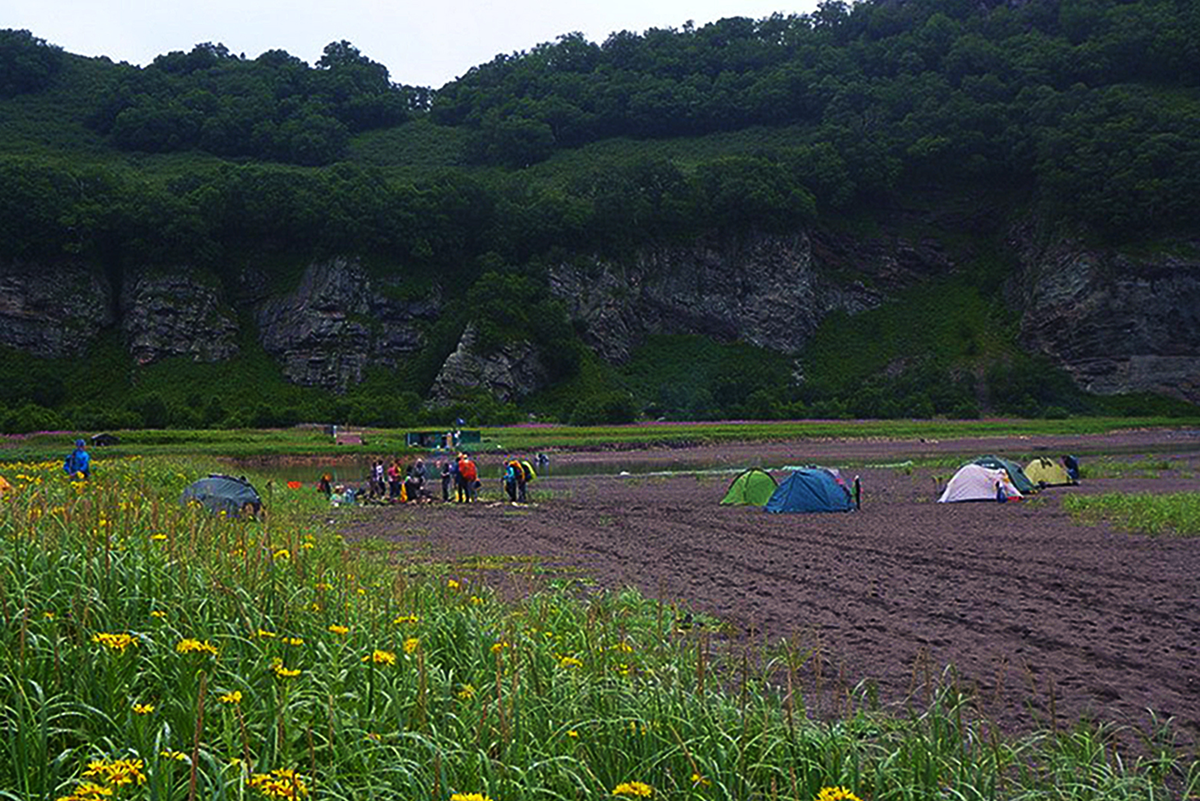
[[155, 652], [1158, 514], [245, 443]]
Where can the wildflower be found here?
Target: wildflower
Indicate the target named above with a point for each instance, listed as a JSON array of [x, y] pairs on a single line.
[[476, 600], [836, 794], [569, 662], [143, 709], [497, 647], [336, 629], [466, 692], [87, 792], [469, 797], [293, 641], [282, 553], [411, 644], [407, 619], [700, 781], [115, 642], [372, 737], [270, 635], [324, 587], [281, 783], [380, 658], [117, 772], [623, 647], [231, 697], [284, 672], [190, 646], [158, 537], [308, 546], [49, 615], [158, 613], [634, 788], [452, 584], [178, 756], [572, 733], [316, 607], [294, 485], [622, 669]]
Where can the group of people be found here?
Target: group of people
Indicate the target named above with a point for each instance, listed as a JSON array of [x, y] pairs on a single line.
[[392, 483], [461, 474]]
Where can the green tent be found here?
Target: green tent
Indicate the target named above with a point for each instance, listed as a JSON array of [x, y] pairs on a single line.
[[1015, 474], [752, 487]]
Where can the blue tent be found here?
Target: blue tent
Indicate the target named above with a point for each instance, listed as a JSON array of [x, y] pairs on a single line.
[[811, 489]]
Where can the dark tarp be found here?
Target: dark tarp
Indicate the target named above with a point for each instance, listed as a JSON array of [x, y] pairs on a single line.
[[227, 494]]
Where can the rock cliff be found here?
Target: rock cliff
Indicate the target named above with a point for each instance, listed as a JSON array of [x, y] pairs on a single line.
[[1117, 322], [508, 373], [53, 311], [175, 314], [335, 324]]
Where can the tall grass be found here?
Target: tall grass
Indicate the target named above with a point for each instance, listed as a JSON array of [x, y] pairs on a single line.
[[1164, 513], [158, 652]]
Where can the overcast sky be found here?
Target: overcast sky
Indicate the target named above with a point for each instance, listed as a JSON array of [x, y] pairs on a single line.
[[425, 44]]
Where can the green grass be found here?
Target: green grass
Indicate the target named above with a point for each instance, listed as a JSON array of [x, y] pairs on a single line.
[[1156, 514], [255, 647]]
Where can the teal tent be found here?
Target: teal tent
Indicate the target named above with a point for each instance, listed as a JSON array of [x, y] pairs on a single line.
[[811, 489], [219, 494], [1016, 474], [752, 487]]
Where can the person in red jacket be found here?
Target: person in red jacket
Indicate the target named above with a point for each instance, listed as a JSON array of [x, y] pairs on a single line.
[[468, 475]]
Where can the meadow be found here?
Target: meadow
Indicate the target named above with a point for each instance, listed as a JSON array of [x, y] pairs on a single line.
[[153, 651]]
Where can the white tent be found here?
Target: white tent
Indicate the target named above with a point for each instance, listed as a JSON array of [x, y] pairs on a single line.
[[977, 483]]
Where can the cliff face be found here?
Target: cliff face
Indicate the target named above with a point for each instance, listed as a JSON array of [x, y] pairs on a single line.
[[175, 314], [1116, 322], [508, 373], [771, 291], [52, 311], [336, 323]]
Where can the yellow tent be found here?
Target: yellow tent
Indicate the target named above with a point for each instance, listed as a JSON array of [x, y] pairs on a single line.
[[1047, 473]]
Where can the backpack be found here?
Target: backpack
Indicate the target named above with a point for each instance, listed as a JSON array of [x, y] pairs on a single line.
[[529, 474]]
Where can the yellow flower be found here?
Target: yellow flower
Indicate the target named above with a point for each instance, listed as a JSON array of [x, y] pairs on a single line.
[[475, 599], [411, 644], [117, 772], [158, 613], [466, 692], [143, 709], [284, 672], [569, 662], [572, 733], [282, 553], [87, 792], [158, 537], [190, 646], [634, 788], [49, 615], [293, 641], [497, 647], [324, 587], [115, 642], [407, 619], [282, 783], [336, 629], [232, 697], [836, 794], [178, 756], [623, 647], [270, 635], [452, 584], [469, 797], [700, 781], [307, 546], [380, 658]]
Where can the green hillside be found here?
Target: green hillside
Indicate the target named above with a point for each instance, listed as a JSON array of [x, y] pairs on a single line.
[[877, 119]]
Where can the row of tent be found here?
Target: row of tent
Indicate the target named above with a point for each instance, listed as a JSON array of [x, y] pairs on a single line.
[[809, 489], [822, 489], [992, 478]]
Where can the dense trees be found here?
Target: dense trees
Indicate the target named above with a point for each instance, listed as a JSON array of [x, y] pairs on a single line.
[[27, 63]]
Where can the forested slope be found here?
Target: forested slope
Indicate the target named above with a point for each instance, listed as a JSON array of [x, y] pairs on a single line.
[[231, 239]]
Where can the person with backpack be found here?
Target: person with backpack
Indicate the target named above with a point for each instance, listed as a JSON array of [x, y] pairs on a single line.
[[512, 469], [468, 476]]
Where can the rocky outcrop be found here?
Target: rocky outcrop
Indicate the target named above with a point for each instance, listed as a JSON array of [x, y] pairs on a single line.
[[1116, 322], [335, 324], [770, 291], [52, 311], [176, 314], [509, 373]]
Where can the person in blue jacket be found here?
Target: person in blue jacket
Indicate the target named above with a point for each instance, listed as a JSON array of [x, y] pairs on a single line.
[[78, 461]]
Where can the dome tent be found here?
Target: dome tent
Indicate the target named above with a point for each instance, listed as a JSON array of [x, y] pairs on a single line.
[[753, 487], [233, 496], [975, 482], [1047, 473], [811, 489], [1015, 474]]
